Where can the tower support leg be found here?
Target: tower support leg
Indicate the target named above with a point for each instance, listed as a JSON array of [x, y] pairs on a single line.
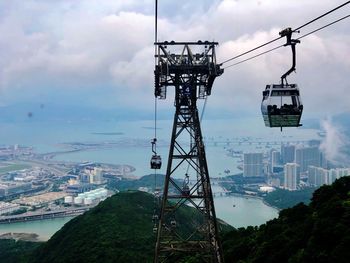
[[177, 239]]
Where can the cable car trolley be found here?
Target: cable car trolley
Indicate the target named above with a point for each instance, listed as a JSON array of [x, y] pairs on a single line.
[[281, 105]]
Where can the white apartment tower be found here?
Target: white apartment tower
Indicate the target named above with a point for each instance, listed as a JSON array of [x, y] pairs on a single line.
[[291, 178], [252, 164]]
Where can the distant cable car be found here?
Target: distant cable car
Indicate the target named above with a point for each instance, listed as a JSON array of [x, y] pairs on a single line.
[[281, 105], [155, 228], [154, 218], [185, 187], [156, 160]]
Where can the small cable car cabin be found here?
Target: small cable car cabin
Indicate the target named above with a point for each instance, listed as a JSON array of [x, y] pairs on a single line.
[[156, 162], [281, 105]]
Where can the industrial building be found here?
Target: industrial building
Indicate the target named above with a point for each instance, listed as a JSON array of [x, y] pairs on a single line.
[[6, 207], [9, 189], [87, 198]]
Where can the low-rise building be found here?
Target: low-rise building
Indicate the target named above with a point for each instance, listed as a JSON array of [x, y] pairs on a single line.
[[6, 207]]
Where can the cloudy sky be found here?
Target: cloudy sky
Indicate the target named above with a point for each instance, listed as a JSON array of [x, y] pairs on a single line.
[[99, 53]]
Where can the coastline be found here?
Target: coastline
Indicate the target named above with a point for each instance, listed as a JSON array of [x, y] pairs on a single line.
[[27, 237], [43, 229], [255, 197]]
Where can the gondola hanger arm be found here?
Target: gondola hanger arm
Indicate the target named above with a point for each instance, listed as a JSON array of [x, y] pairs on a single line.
[[290, 42]]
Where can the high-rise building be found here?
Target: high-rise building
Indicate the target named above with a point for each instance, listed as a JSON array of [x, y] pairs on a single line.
[[291, 178], [252, 164], [275, 160], [334, 174], [311, 170], [98, 175], [287, 153], [323, 160], [315, 143], [306, 156], [318, 176]]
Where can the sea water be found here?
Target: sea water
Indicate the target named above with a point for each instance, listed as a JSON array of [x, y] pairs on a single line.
[[236, 210]]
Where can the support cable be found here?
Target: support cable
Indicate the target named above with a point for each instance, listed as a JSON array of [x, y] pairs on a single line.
[[320, 28], [272, 49], [251, 50], [156, 22], [155, 62], [154, 145], [271, 41], [321, 16]]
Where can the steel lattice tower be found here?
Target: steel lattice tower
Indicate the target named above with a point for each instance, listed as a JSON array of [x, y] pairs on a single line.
[[192, 75]]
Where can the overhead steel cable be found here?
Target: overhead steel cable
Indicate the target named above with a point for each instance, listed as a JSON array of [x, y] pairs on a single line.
[[156, 22], [320, 28], [294, 30], [272, 49], [325, 14], [251, 50], [155, 98], [258, 55], [155, 51]]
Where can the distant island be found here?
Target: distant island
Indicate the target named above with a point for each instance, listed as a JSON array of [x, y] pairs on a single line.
[[107, 133], [150, 128]]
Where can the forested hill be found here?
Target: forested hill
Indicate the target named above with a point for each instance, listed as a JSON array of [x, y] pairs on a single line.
[[318, 232], [119, 229]]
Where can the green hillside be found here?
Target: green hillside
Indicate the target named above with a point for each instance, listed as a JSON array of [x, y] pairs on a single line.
[[12, 251], [319, 232], [282, 198], [120, 230], [117, 230]]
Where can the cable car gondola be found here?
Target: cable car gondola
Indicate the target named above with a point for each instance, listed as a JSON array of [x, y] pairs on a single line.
[[155, 228], [281, 105], [156, 160], [185, 187]]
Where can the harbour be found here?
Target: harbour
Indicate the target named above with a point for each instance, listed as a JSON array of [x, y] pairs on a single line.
[[239, 211]]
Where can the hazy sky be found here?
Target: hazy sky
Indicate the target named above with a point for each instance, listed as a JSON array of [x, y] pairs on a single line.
[[99, 53]]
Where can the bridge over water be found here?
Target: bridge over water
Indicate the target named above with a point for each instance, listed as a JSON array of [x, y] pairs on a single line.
[[32, 216]]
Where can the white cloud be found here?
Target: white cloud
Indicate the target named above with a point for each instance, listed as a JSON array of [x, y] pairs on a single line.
[[74, 44], [334, 142]]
